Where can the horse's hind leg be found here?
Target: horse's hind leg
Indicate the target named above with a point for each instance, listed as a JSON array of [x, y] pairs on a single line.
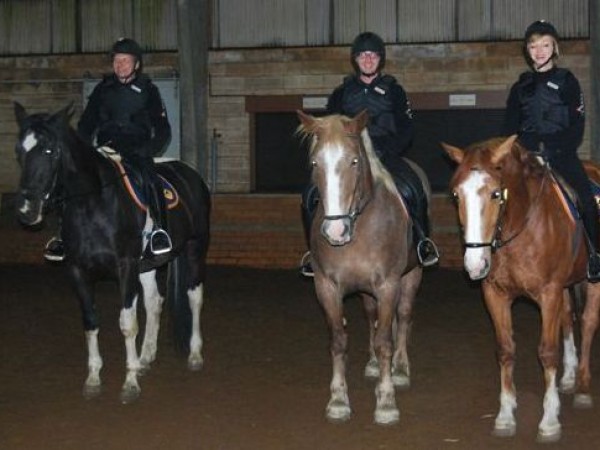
[[93, 385], [408, 293], [589, 325], [153, 302], [370, 305], [196, 299]]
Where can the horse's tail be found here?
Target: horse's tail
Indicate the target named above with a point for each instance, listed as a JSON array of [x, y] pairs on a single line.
[[178, 302]]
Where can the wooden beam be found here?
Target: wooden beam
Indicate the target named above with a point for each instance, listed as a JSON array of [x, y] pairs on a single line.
[[594, 114], [193, 43]]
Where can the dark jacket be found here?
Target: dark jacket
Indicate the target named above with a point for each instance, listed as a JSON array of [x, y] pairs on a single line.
[[390, 118], [546, 107], [131, 118]]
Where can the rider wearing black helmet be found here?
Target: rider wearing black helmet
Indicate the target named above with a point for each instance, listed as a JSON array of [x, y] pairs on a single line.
[[390, 129], [545, 108], [125, 112]]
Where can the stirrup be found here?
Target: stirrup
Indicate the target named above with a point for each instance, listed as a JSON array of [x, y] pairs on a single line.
[[427, 252], [165, 235], [593, 269]]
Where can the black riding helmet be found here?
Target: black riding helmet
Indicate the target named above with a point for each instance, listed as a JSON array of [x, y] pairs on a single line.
[[542, 28], [368, 42], [127, 46]]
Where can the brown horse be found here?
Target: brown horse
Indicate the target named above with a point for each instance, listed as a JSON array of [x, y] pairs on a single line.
[[361, 243], [521, 240]]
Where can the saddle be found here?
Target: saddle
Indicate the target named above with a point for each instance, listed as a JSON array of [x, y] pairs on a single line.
[[411, 190], [568, 195], [133, 181]]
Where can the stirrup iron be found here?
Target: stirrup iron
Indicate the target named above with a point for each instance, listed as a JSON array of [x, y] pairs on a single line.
[[424, 259], [161, 251]]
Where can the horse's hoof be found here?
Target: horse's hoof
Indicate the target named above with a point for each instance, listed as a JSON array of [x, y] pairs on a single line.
[[401, 380], [549, 436], [372, 369], [338, 412], [387, 416], [504, 431], [144, 368], [583, 401], [91, 391], [566, 388], [195, 365], [130, 394]]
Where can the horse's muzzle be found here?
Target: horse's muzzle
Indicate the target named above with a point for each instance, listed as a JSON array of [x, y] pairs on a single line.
[[29, 212], [337, 231], [478, 262]]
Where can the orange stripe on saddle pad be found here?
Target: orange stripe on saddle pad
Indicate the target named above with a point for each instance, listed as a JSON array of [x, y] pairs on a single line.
[[169, 192]]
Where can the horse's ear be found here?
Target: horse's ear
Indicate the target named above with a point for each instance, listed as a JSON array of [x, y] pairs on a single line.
[[64, 115], [455, 153], [503, 149], [307, 122], [20, 113], [361, 120]]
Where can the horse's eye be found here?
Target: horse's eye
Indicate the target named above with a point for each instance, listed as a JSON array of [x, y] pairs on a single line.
[[313, 163], [455, 196], [497, 194], [355, 161], [48, 151]]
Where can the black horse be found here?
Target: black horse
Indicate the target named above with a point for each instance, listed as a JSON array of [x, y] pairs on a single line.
[[105, 233]]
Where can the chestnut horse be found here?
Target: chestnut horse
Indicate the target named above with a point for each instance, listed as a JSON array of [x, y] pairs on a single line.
[[361, 243], [521, 240]]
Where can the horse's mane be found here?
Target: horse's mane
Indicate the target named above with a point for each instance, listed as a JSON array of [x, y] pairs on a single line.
[[518, 160], [333, 130]]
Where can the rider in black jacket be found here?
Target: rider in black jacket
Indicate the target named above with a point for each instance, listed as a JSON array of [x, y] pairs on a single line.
[[545, 108], [125, 113], [391, 131]]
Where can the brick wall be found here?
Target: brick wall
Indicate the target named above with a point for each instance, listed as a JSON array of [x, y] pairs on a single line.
[[264, 230]]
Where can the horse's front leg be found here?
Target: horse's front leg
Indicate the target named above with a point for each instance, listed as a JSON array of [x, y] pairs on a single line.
[[589, 325], [551, 305], [93, 385], [570, 360], [130, 289], [499, 306], [386, 411], [153, 302], [338, 407]]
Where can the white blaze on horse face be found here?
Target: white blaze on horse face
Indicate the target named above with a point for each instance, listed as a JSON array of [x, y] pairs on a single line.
[[29, 142], [476, 259], [333, 157], [331, 161]]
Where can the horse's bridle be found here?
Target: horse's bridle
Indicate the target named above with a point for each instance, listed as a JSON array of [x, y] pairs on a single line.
[[356, 208], [502, 195]]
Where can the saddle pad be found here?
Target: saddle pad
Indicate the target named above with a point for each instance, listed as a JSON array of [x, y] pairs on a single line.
[[568, 196], [136, 193]]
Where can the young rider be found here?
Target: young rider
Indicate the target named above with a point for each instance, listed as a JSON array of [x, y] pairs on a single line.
[[545, 108]]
